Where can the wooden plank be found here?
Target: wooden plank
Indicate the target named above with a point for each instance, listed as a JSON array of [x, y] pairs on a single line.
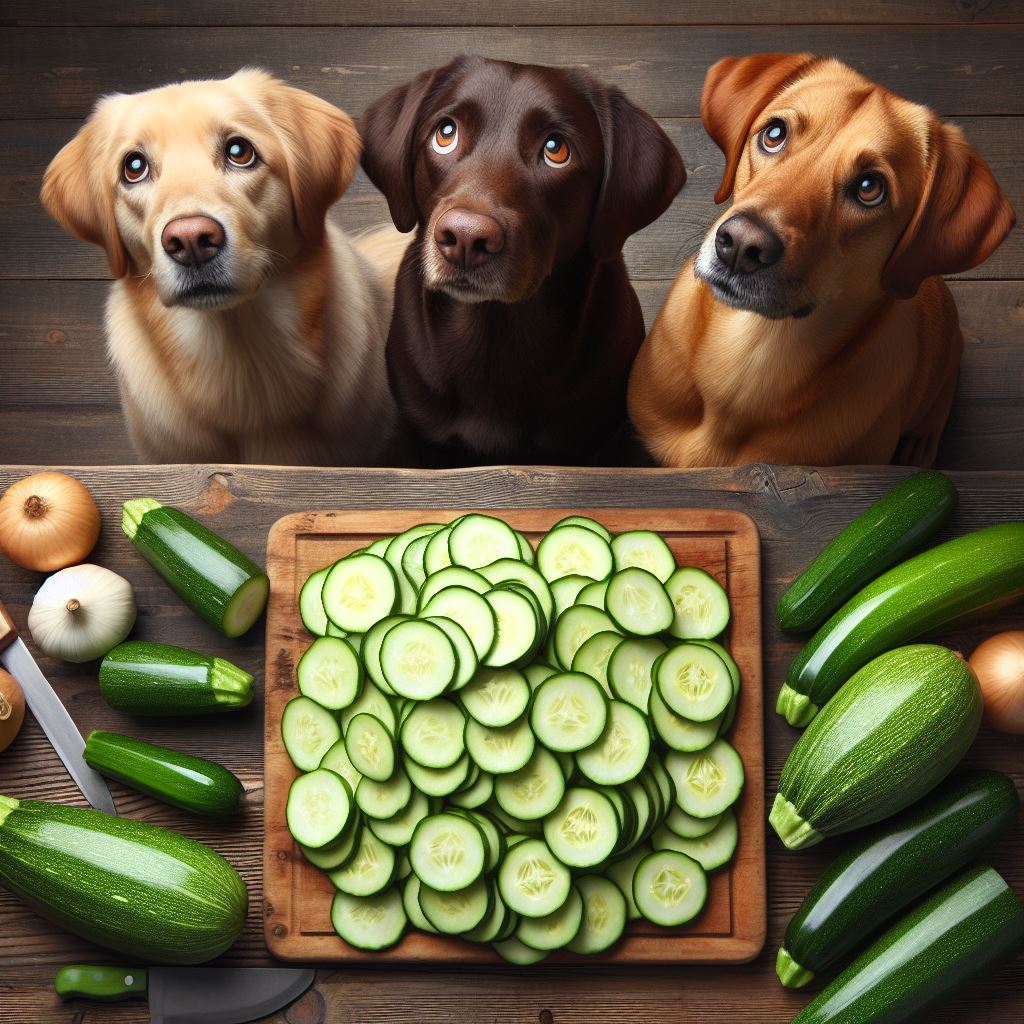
[[58, 397], [516, 12], [796, 509], [59, 72], [297, 920], [33, 245]]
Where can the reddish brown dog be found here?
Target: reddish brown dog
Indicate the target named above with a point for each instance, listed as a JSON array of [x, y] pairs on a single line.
[[812, 326], [515, 324]]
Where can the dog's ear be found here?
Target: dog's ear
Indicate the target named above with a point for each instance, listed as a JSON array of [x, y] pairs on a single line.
[[388, 127], [322, 147], [79, 195], [643, 172], [736, 90], [961, 217]]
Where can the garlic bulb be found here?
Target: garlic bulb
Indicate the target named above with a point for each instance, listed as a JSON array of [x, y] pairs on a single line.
[[80, 613]]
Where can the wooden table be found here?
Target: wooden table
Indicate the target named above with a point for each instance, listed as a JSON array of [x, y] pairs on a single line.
[[796, 510]]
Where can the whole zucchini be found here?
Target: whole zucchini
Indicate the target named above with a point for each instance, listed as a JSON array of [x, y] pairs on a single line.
[[968, 927], [963, 578], [219, 583], [133, 887], [875, 879], [192, 783], [882, 535], [158, 680], [895, 730]]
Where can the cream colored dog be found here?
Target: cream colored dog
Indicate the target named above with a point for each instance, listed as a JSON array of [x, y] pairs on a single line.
[[241, 326]]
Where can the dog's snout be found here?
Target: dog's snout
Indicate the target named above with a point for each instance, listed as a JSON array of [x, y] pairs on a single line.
[[192, 240], [467, 239], [746, 245]]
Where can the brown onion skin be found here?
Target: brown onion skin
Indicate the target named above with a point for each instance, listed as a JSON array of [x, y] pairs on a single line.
[[12, 709], [999, 665]]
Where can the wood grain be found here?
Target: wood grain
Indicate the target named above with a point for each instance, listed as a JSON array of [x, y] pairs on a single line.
[[796, 509], [516, 12], [59, 72], [297, 896]]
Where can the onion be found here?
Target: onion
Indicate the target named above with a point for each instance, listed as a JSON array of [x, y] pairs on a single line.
[[48, 521], [81, 613], [12, 709], [999, 665]]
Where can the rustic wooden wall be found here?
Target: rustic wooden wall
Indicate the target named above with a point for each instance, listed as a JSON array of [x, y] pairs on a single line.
[[58, 400]]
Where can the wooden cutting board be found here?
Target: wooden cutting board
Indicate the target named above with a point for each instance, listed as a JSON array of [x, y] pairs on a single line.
[[731, 928]]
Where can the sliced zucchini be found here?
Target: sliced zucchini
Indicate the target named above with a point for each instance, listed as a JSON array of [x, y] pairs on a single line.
[[593, 656], [569, 712], [370, 871], [330, 673], [359, 590], [465, 652], [669, 888], [480, 540], [411, 903], [593, 594], [621, 872], [637, 602], [308, 732], [532, 880], [476, 795], [447, 852], [644, 549], [311, 605], [455, 913], [496, 696], [574, 627], [519, 631], [680, 733], [433, 733], [372, 702], [583, 829], [470, 610], [629, 670], [565, 590], [605, 914], [694, 682], [686, 826], [370, 747], [369, 922], [707, 782], [453, 576], [554, 930], [621, 751], [500, 751], [514, 952], [586, 522], [701, 605], [398, 830], [418, 660], [319, 807], [438, 782], [511, 570], [384, 799], [574, 551], [533, 791], [711, 850]]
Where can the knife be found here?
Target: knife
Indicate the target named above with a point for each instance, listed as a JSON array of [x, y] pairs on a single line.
[[51, 714], [190, 995]]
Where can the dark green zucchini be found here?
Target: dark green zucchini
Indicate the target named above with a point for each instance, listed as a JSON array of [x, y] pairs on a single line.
[[884, 534], [961, 579], [219, 583], [141, 890], [890, 735], [872, 881], [970, 926], [192, 783], [158, 679]]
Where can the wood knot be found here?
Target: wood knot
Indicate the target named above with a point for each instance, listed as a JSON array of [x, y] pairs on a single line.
[[56, 337], [308, 1009], [216, 496], [545, 1017]]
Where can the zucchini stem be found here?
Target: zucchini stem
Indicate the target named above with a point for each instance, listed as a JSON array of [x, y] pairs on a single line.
[[231, 685], [132, 512], [793, 830], [790, 973], [7, 804], [795, 707]]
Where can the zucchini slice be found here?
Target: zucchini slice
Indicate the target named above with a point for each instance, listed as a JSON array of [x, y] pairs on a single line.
[[701, 605], [669, 888], [359, 591], [369, 922]]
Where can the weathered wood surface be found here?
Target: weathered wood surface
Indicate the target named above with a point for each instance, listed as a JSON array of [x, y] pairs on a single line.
[[796, 510], [516, 12]]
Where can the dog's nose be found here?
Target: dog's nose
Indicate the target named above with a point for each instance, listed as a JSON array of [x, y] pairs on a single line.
[[468, 239], [192, 240], [746, 245]]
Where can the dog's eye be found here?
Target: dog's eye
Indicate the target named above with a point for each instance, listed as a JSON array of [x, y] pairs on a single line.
[[556, 151], [446, 136], [773, 136], [870, 190], [240, 152], [135, 168]]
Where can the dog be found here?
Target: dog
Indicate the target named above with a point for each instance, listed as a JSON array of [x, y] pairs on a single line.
[[812, 326], [241, 326], [515, 324]]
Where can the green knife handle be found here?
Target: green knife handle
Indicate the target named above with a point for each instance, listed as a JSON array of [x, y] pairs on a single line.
[[105, 983]]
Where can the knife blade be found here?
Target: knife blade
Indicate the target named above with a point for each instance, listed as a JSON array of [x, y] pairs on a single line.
[[51, 714], [190, 995]]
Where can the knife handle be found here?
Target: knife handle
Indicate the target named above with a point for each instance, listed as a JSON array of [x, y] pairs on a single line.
[[105, 983], [8, 630]]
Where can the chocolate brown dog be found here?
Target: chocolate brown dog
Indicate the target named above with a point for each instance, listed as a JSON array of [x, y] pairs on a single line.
[[515, 324], [812, 326]]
